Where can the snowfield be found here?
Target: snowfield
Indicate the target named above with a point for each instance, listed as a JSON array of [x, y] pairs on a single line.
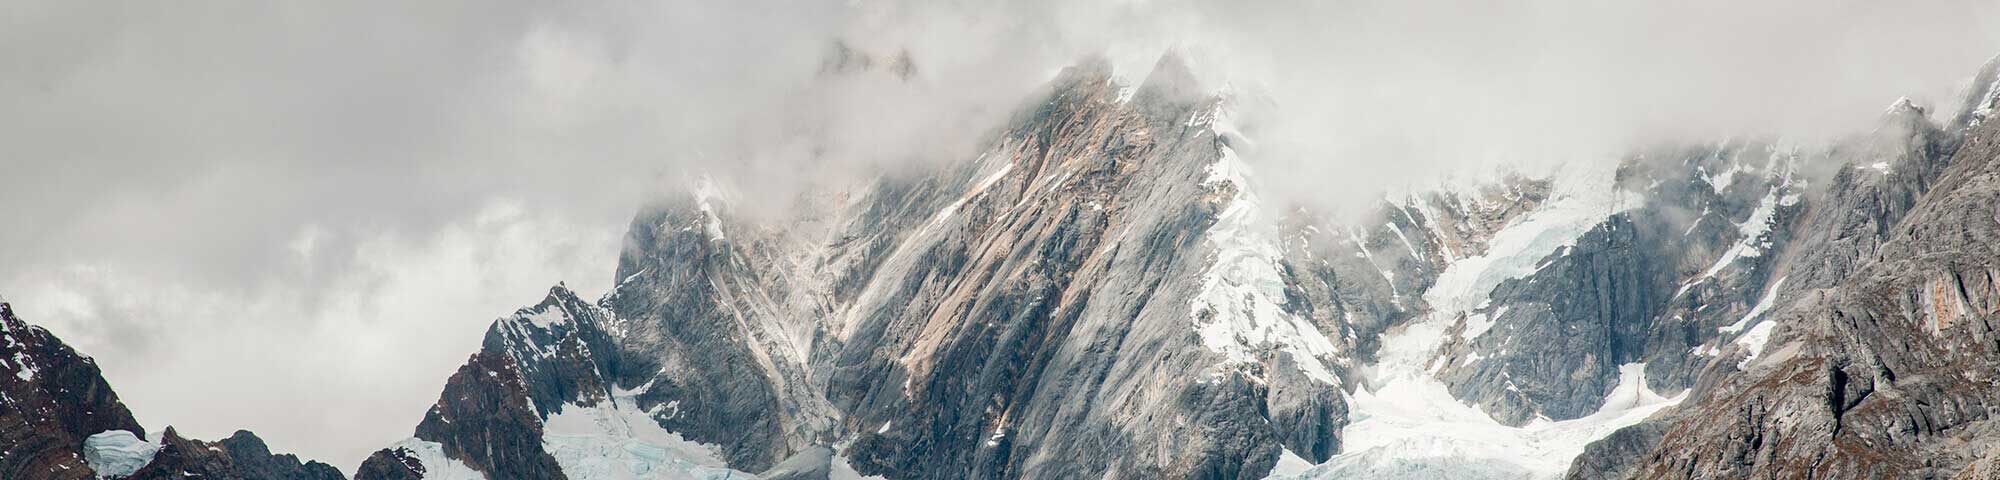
[[1237, 312]]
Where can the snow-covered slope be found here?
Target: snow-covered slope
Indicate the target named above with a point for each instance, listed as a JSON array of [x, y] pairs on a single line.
[[1405, 421]]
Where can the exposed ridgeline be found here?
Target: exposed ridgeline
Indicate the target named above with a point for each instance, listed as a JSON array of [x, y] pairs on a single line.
[[1878, 361], [1100, 293], [59, 420]]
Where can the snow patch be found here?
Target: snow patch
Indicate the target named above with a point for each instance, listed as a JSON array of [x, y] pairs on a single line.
[[1753, 230], [1753, 341], [1763, 305], [117, 453], [1477, 324], [545, 318], [841, 470], [1721, 181], [27, 368], [27, 373]]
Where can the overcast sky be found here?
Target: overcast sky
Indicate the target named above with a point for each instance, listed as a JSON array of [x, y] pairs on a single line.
[[297, 217]]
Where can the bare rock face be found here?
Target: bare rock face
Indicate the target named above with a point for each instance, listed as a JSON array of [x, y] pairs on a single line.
[[700, 321], [1986, 468], [1883, 366], [1035, 329], [253, 459], [1614, 456], [485, 421]]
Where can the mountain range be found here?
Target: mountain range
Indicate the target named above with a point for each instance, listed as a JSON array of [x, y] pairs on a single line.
[[1101, 293]]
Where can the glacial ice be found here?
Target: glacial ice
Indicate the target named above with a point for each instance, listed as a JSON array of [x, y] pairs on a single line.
[[614, 440], [117, 453], [1405, 422]]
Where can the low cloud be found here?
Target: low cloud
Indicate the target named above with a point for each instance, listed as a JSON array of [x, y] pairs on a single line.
[[295, 217]]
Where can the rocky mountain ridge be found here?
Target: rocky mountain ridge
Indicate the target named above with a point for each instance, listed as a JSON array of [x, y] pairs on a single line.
[[1101, 293], [60, 420], [1104, 279]]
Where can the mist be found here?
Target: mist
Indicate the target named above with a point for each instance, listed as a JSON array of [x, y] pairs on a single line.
[[298, 218]]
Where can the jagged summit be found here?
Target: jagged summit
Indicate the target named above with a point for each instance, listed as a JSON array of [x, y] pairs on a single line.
[[1099, 294]]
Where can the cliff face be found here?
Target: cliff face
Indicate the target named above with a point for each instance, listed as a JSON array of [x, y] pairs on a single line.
[[1885, 371], [1872, 359], [1099, 293]]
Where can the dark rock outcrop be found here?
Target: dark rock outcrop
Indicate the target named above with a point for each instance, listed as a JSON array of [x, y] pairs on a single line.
[[391, 464], [484, 420], [53, 398], [180, 457], [254, 459]]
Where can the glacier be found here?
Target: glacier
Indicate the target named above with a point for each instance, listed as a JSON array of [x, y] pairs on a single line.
[[117, 453]]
